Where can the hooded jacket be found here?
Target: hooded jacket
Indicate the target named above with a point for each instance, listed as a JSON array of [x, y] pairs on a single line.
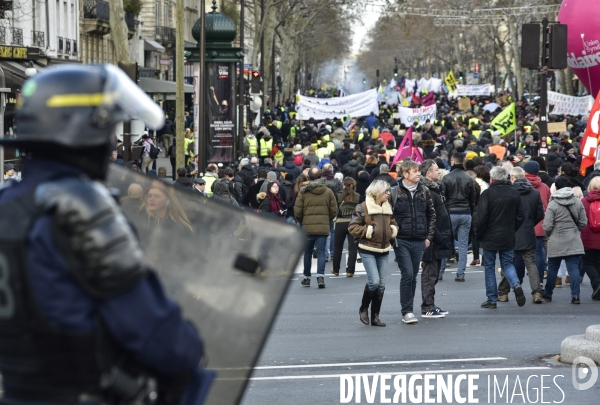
[[345, 156], [442, 246], [315, 207], [373, 226], [499, 216], [553, 161], [351, 169], [565, 218], [533, 214], [589, 238], [290, 168], [544, 190], [363, 183]]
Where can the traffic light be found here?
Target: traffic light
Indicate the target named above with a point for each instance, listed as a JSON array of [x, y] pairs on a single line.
[[255, 83], [460, 75], [395, 72], [557, 58]]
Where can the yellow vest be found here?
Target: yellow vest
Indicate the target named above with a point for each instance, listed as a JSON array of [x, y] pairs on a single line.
[[321, 152], [252, 145], [279, 157], [209, 182], [476, 133], [327, 137], [265, 147], [473, 121], [331, 147]]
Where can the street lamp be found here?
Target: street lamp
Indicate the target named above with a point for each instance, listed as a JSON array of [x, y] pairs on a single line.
[[30, 71]]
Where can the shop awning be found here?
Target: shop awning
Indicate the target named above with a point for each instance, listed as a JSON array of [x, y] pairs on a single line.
[[150, 45], [18, 68], [155, 86]]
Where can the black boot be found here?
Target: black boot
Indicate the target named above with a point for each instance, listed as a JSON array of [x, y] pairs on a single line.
[[364, 307], [375, 307]]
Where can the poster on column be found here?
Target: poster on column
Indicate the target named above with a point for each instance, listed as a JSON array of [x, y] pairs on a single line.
[[219, 107], [408, 116], [569, 105]]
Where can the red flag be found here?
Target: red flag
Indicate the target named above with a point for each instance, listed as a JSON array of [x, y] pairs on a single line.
[[408, 150], [589, 144]]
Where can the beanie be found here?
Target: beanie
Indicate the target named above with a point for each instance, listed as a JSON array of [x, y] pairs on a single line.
[[532, 167]]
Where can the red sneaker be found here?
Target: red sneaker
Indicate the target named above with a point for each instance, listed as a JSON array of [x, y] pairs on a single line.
[[475, 262]]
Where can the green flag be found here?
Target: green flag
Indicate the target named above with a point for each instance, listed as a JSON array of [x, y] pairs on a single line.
[[506, 121]]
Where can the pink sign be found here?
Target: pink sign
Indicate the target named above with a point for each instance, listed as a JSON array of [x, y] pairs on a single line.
[[583, 46]]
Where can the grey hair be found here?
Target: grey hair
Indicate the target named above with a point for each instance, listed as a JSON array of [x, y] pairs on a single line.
[[496, 140], [517, 172], [377, 187], [384, 168], [498, 173]]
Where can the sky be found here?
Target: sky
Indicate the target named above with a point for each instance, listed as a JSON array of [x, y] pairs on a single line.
[[360, 31]]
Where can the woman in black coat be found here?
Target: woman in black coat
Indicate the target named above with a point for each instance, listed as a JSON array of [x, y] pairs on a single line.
[[442, 246]]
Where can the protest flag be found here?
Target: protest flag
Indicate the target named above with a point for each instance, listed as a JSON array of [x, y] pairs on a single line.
[[407, 150], [451, 82], [506, 121], [589, 143]]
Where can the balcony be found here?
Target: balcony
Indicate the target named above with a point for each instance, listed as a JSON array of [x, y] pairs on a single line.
[[61, 48], [165, 35], [38, 39], [96, 14], [17, 36]]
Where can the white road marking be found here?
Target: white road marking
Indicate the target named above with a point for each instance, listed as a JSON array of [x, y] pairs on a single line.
[[462, 371], [379, 363]]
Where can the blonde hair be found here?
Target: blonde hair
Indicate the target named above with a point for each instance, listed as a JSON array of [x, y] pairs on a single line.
[[174, 209], [377, 187], [406, 166], [594, 183]]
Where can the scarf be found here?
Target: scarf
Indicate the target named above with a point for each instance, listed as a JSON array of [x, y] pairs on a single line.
[[274, 203], [430, 184], [412, 188]]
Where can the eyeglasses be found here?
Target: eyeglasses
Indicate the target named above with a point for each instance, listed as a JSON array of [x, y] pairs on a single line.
[[388, 191]]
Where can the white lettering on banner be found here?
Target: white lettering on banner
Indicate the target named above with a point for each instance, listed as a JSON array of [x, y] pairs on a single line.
[[409, 115], [569, 105], [472, 90], [356, 105]]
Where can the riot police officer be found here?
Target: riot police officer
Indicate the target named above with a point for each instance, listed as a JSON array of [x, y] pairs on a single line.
[[82, 317]]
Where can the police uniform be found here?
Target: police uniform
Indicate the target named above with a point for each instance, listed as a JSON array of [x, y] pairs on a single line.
[[81, 311]]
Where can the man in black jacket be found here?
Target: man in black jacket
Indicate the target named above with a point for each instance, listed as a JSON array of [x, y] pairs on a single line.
[[460, 202], [352, 168], [415, 215], [499, 216], [442, 246], [525, 240]]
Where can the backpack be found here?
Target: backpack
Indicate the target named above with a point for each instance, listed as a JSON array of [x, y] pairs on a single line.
[[298, 160], [594, 216], [154, 151]]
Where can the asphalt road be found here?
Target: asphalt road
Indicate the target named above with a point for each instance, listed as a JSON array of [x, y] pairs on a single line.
[[318, 340]]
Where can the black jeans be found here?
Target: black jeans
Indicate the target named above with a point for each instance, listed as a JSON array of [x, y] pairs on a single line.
[[591, 266], [408, 254], [341, 231], [429, 278]]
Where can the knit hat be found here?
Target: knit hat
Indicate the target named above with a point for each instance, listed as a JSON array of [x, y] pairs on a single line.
[[532, 167], [272, 176], [521, 152], [469, 165], [8, 166]]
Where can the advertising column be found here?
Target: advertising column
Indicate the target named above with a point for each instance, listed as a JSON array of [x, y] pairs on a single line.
[[220, 110]]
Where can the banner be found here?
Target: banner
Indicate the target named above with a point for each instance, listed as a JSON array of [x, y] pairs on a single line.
[[408, 116], [569, 105], [356, 105], [506, 121], [451, 82], [428, 99], [589, 143], [472, 90]]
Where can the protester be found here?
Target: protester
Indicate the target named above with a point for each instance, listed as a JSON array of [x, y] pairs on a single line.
[[271, 202], [347, 199], [590, 236], [373, 225]]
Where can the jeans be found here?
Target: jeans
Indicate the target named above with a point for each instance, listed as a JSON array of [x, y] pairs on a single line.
[[331, 239], [540, 256], [572, 263], [318, 242], [376, 268], [341, 232], [591, 266], [506, 261], [429, 278], [523, 258], [408, 254], [461, 225]]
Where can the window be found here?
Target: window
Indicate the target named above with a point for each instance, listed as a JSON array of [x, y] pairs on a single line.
[[157, 13], [166, 15]]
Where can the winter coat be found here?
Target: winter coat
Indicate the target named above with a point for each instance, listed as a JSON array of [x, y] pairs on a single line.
[[351, 169], [564, 238], [250, 197], [586, 181], [373, 226], [415, 215], [315, 207], [460, 192], [314, 159], [369, 169], [499, 216], [442, 246], [533, 214], [290, 168], [183, 183], [288, 186], [553, 163], [265, 206], [589, 238], [362, 184], [544, 190], [333, 184], [546, 179], [247, 174], [345, 156]]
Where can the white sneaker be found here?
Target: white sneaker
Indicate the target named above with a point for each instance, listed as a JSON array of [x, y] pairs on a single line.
[[409, 318]]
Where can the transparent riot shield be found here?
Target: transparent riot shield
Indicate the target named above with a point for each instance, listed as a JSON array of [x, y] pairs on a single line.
[[228, 269]]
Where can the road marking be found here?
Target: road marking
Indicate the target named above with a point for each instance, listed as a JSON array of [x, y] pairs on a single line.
[[462, 371], [379, 363]]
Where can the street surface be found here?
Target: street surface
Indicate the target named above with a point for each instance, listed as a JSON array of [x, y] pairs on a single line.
[[318, 337]]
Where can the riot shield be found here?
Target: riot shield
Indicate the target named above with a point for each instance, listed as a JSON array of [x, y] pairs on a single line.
[[228, 269]]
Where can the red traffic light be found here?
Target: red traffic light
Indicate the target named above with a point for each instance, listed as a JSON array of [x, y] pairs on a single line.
[[256, 73]]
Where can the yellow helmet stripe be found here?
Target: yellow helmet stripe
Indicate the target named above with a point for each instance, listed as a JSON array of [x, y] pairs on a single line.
[[79, 100]]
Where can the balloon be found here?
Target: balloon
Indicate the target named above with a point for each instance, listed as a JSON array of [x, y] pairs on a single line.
[[583, 44]]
